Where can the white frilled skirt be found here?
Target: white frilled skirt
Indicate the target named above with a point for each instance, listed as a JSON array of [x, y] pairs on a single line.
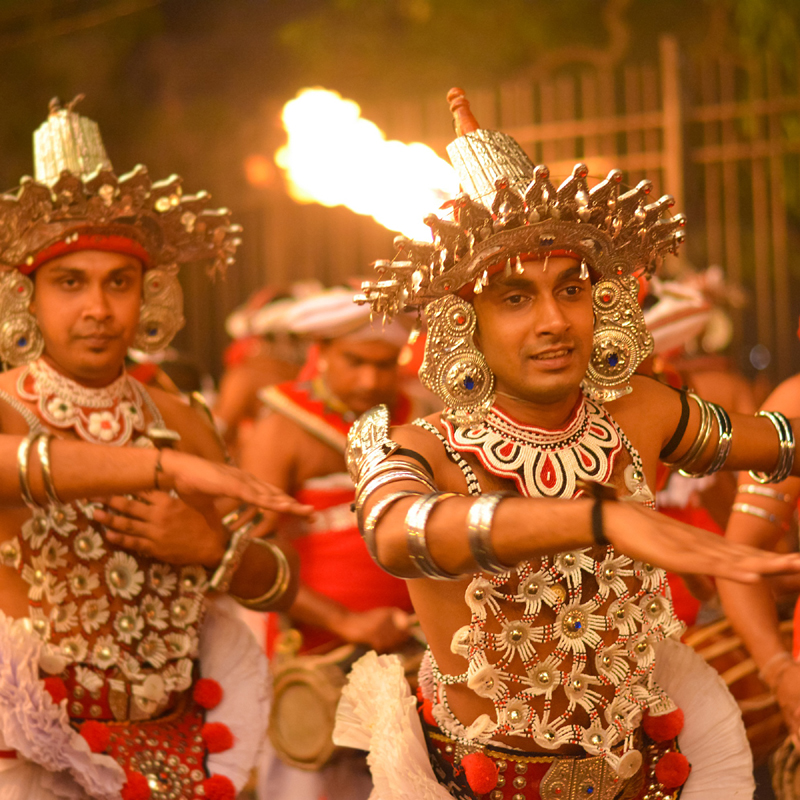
[[378, 713], [54, 762]]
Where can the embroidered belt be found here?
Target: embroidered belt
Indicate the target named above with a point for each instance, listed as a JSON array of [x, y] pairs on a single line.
[[119, 700], [542, 776]]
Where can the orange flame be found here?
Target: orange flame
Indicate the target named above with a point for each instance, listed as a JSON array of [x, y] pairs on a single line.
[[336, 157]]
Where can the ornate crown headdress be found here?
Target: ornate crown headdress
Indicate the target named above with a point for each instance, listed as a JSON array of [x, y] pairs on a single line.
[[510, 210], [76, 202]]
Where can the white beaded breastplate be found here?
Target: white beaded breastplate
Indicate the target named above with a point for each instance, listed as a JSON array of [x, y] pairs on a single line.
[[110, 615], [579, 626]]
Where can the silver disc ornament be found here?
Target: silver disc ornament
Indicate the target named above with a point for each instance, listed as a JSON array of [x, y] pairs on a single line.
[[621, 340], [453, 368], [20, 338]]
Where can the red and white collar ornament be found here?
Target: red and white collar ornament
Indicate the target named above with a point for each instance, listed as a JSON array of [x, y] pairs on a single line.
[[541, 462], [108, 415]]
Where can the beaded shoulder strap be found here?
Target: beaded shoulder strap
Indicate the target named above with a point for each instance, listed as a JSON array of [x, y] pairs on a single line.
[[34, 424], [473, 484], [158, 420]]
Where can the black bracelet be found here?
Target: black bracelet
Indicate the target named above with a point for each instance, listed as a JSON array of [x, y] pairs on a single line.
[[598, 492]]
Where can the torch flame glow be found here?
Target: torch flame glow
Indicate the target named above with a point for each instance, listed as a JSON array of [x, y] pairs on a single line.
[[335, 157]]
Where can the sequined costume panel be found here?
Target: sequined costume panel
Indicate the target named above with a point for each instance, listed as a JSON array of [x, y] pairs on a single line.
[[120, 628], [562, 647]]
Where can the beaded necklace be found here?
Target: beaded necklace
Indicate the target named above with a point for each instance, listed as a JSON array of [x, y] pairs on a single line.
[[107, 415]]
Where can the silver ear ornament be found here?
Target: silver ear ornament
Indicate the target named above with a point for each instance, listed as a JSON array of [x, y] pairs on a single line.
[[20, 338], [621, 339], [453, 368], [161, 315]]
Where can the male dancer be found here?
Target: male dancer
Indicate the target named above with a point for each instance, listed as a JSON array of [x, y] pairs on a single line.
[[112, 683], [299, 446], [553, 671]]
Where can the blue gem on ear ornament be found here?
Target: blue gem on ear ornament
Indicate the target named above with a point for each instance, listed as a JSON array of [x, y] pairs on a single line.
[[613, 360], [469, 383], [22, 342]]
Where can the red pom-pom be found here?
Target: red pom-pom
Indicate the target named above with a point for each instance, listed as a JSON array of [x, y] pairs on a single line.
[[217, 736], [97, 735], [480, 771], [672, 770], [56, 688], [218, 787], [207, 693], [664, 727], [136, 786]]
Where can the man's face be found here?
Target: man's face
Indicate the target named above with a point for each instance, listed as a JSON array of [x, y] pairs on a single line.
[[87, 306], [361, 374], [535, 330]]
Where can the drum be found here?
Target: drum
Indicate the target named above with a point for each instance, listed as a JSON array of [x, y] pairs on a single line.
[[307, 689], [723, 649]]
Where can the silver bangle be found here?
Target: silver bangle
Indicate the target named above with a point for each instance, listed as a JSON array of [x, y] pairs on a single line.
[[416, 522], [785, 463], [371, 522], [384, 479], [43, 451], [239, 542], [279, 586], [479, 529], [724, 441], [764, 491], [401, 469], [700, 441], [755, 511], [23, 469]]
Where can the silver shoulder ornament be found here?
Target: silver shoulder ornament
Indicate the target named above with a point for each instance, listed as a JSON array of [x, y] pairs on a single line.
[[368, 443]]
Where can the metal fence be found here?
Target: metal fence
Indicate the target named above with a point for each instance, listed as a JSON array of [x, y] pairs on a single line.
[[721, 135]]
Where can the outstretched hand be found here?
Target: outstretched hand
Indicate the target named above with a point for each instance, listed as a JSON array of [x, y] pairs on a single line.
[[190, 475], [665, 542]]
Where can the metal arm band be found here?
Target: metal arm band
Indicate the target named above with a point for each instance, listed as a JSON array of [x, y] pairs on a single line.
[[755, 511], [372, 520], [786, 454], [239, 542], [479, 529], [412, 470], [416, 522], [386, 478], [23, 468], [279, 585], [43, 451], [764, 491], [725, 430], [700, 441]]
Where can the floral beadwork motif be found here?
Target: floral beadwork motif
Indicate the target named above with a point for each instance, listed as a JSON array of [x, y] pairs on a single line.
[[102, 416], [110, 616], [579, 626]]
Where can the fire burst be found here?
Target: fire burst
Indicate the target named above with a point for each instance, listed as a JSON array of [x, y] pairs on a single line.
[[334, 156]]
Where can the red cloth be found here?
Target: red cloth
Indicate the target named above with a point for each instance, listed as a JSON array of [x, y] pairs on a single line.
[[89, 241]]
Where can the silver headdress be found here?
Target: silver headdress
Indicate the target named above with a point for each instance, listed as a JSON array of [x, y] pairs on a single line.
[[75, 201], [509, 210]]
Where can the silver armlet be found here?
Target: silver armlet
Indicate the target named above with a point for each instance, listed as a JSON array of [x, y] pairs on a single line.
[[725, 431], [368, 443], [700, 441], [279, 585], [239, 542], [785, 463], [371, 522], [755, 511], [381, 477], [416, 522], [479, 529], [763, 491], [23, 468]]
